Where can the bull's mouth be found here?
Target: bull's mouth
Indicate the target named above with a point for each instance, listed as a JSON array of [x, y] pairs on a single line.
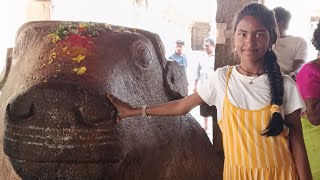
[[35, 144], [74, 171], [61, 123]]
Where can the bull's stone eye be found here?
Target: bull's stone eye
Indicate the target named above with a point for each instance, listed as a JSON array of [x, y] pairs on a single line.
[[141, 54]]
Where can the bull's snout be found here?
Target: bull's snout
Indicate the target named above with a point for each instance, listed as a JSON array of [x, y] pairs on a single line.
[[61, 123], [61, 105]]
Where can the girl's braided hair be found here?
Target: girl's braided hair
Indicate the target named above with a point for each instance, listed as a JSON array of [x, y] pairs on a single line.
[[271, 66]]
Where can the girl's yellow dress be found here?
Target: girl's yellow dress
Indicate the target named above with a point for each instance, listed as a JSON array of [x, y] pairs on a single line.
[[248, 154]]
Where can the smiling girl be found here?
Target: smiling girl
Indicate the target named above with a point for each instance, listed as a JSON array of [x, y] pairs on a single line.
[[256, 105]]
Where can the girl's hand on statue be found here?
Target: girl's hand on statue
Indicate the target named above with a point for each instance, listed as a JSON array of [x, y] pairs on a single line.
[[124, 109]]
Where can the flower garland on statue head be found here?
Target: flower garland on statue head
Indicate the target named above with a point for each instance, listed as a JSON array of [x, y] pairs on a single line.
[[74, 42]]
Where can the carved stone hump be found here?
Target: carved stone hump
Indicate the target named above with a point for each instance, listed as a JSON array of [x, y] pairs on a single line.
[[60, 125]]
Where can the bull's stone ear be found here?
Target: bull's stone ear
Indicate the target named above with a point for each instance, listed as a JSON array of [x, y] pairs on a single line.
[[175, 82], [141, 54], [5, 72]]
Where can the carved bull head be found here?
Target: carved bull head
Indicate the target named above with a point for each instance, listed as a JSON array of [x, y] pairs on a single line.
[[59, 124]]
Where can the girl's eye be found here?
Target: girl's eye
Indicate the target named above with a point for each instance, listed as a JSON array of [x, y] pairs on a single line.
[[241, 34], [260, 35]]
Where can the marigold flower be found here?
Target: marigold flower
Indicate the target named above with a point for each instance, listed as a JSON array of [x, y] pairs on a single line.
[[80, 70], [52, 57], [79, 58], [83, 25], [54, 38]]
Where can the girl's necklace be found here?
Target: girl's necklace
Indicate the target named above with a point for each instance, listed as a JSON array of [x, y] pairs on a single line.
[[251, 79], [256, 75]]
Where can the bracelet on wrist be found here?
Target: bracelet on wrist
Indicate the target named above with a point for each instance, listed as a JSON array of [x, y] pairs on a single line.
[[143, 109]]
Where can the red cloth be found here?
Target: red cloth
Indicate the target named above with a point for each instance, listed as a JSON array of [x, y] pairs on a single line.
[[308, 80]]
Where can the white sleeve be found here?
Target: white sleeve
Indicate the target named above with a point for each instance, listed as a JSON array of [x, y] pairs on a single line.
[[197, 71], [302, 50], [208, 89], [292, 99]]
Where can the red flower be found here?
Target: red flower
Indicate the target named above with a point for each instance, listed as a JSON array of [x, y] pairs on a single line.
[[78, 40]]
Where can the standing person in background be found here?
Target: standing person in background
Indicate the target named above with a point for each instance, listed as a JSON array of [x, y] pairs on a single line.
[[179, 55], [290, 50], [254, 102], [204, 66], [308, 81]]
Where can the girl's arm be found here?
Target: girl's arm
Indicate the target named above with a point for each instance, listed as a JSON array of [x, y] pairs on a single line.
[[313, 111], [297, 146], [172, 108]]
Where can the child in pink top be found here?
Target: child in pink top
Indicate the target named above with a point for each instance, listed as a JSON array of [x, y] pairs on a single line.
[[308, 81]]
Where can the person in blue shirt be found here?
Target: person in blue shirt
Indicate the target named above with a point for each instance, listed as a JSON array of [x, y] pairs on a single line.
[[178, 55]]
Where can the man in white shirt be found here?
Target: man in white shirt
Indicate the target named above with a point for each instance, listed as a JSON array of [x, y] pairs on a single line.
[[204, 66], [290, 50]]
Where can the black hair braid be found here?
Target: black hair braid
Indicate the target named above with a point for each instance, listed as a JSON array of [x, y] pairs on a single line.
[[272, 68]]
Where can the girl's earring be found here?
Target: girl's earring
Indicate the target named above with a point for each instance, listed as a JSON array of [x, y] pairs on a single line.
[[235, 49]]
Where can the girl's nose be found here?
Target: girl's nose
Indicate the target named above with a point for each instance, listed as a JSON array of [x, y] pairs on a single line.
[[251, 39]]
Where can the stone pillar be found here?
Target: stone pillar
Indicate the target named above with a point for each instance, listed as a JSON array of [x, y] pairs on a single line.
[[39, 10], [226, 9]]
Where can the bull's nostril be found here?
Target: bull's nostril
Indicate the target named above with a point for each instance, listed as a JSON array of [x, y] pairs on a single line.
[[20, 109], [95, 112]]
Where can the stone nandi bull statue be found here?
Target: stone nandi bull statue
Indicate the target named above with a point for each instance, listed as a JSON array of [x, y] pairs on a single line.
[[56, 122]]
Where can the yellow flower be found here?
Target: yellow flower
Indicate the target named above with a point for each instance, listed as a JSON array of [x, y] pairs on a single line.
[[80, 70], [52, 56], [79, 58], [83, 25], [54, 38]]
